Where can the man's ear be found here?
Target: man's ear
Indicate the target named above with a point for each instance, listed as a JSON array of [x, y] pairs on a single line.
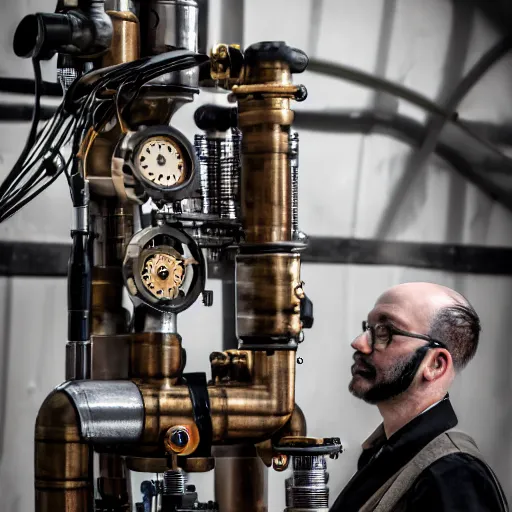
[[438, 362]]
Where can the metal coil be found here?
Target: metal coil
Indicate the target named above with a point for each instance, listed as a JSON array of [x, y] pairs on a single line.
[[314, 477], [308, 497], [309, 462], [307, 488], [174, 482], [293, 158], [219, 160]]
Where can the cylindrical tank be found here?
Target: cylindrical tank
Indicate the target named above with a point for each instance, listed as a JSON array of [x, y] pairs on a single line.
[[174, 24]]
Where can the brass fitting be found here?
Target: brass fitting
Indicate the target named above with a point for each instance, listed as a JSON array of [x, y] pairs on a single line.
[[268, 289]]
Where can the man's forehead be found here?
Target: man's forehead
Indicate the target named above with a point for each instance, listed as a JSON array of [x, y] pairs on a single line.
[[387, 312]]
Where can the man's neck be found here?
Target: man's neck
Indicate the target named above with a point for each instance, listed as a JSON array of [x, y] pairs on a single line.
[[396, 413]]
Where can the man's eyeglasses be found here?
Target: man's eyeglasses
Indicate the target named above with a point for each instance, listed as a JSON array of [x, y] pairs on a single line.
[[381, 335]]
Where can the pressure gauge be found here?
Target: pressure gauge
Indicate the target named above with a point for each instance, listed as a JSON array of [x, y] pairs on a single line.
[[157, 162], [160, 161], [164, 268]]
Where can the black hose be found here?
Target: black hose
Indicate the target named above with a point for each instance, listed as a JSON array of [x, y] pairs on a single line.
[[373, 82], [402, 128], [436, 126]]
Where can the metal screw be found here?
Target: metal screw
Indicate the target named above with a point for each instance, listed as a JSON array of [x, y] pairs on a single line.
[[280, 462]]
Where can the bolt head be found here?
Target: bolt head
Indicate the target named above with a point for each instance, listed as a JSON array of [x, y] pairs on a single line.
[[180, 438]]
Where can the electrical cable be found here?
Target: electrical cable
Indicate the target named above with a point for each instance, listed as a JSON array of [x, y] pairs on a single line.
[[436, 126], [30, 176], [16, 170], [364, 79], [381, 84]]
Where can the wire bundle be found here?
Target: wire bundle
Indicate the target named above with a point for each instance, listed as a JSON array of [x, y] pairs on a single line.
[[91, 101]]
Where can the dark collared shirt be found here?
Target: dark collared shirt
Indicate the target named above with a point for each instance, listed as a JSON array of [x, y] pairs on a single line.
[[456, 482]]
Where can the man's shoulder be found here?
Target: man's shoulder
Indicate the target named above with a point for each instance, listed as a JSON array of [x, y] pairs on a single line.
[[460, 480], [457, 464]]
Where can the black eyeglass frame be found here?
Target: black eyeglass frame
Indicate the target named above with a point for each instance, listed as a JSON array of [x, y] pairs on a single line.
[[433, 343]]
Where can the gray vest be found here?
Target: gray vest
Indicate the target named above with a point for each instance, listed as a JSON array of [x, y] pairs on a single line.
[[390, 497]]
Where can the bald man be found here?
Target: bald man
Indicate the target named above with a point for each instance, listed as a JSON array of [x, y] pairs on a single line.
[[415, 341]]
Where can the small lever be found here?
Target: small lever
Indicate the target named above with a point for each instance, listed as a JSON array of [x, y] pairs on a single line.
[[306, 312]]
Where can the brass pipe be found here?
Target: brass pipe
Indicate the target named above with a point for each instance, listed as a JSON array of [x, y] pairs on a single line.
[[156, 358], [63, 469], [240, 479], [239, 412], [265, 117], [125, 46], [268, 295], [114, 227]]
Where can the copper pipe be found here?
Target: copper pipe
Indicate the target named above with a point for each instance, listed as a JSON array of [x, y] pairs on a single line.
[[240, 479], [239, 412], [113, 226], [265, 117], [63, 469], [125, 46], [156, 358]]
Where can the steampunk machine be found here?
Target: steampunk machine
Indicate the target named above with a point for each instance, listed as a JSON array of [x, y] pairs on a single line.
[[223, 206]]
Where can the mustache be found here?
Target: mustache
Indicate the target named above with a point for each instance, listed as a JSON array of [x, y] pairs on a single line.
[[360, 360]]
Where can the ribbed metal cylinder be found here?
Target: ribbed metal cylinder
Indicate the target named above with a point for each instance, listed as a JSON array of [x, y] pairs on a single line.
[[307, 488], [293, 158], [174, 482], [219, 160]]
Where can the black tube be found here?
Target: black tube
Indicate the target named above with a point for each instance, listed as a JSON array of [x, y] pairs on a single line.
[[79, 288], [79, 267], [41, 35], [84, 32]]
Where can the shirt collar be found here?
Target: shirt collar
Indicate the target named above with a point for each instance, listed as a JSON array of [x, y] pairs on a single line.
[[413, 436]]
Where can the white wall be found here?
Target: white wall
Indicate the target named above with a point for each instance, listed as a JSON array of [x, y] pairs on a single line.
[[345, 186]]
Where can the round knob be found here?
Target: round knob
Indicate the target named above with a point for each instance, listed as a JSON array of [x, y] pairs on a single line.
[[180, 438], [163, 272]]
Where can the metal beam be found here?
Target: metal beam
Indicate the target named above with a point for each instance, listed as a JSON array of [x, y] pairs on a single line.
[[50, 260], [469, 259]]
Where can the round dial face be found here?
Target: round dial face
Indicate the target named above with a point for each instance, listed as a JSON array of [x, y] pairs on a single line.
[[163, 275], [160, 161]]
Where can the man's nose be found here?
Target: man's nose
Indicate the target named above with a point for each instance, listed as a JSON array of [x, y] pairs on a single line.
[[361, 344]]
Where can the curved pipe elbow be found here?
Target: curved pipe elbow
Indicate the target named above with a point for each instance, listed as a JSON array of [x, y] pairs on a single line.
[[72, 418], [62, 476], [259, 410]]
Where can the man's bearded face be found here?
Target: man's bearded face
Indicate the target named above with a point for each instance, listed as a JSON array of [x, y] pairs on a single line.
[[375, 384]]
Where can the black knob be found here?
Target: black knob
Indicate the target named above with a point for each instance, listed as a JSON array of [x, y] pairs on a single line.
[[180, 438], [208, 298], [163, 273], [306, 312], [277, 50], [216, 118]]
